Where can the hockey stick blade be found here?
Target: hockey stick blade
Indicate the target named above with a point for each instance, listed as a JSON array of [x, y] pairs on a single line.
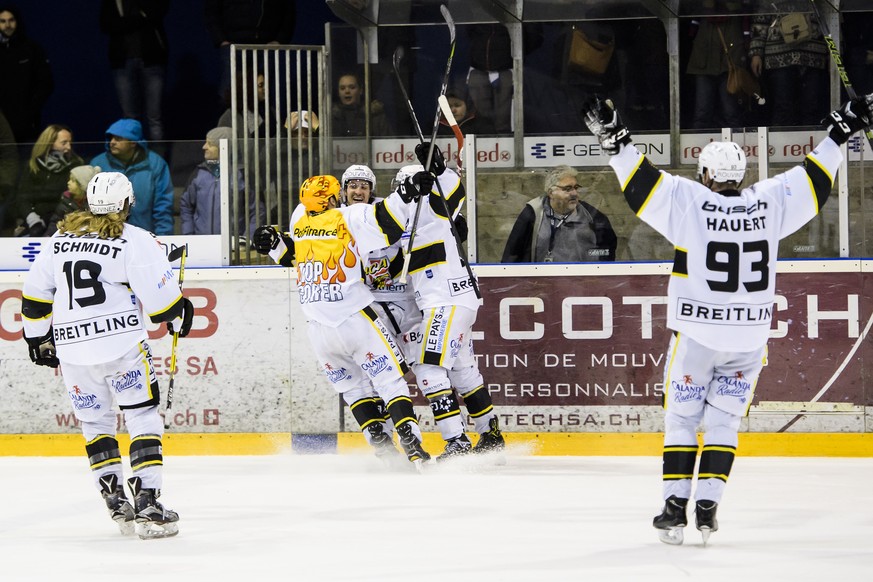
[[447, 16], [453, 123], [176, 254]]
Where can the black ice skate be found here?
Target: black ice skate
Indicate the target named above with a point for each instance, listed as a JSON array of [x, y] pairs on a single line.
[[456, 447], [120, 509], [153, 520], [383, 445], [412, 446], [492, 441], [671, 521], [704, 515]]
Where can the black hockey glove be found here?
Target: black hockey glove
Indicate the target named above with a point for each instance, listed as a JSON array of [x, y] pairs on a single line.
[[437, 164], [265, 239], [415, 187], [42, 350], [605, 123], [852, 116], [182, 323]]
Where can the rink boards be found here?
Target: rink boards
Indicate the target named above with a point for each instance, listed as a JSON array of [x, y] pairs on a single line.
[[572, 355]]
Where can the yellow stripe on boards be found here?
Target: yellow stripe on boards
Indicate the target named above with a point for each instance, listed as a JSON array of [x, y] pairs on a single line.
[[574, 444]]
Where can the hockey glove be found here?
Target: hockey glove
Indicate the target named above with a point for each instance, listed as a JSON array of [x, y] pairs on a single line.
[[42, 350], [182, 323], [852, 116], [415, 187], [605, 123], [437, 164], [265, 239]]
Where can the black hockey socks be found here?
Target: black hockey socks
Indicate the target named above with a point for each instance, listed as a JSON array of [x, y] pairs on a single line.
[[716, 462], [102, 452], [444, 404], [478, 402], [679, 462], [146, 451]]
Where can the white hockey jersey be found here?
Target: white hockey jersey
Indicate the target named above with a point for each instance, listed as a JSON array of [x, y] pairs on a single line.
[[723, 283], [92, 292], [436, 270], [329, 248]]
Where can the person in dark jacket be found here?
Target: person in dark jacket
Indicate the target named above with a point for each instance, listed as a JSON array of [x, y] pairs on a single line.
[[138, 57], [128, 153], [44, 178], [8, 169], [558, 227], [247, 22], [464, 111], [26, 77], [348, 113], [490, 76]]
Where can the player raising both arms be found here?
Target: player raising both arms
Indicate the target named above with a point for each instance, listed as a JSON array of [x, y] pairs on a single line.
[[85, 293], [353, 346], [722, 288]]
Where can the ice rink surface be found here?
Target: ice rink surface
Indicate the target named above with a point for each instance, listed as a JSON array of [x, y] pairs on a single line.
[[314, 518]]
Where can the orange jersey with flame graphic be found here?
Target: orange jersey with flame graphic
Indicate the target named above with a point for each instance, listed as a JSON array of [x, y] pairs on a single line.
[[329, 246]]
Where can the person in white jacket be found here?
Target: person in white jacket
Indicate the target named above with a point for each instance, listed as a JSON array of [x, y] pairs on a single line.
[[721, 291]]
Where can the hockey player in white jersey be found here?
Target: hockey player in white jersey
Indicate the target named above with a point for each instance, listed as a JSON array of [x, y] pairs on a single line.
[[395, 303], [721, 292], [82, 306], [355, 350], [449, 303]]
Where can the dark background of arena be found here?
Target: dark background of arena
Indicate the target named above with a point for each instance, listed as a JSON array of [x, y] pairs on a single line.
[[84, 95]]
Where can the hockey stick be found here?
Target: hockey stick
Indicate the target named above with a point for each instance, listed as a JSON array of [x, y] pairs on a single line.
[[395, 61], [838, 61], [450, 119], [177, 254], [436, 125]]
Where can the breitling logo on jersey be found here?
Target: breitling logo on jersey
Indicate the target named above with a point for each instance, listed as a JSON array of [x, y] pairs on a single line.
[[735, 314], [112, 324]]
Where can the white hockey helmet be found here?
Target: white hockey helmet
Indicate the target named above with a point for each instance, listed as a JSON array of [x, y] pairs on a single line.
[[108, 191], [358, 172], [725, 161], [405, 172]]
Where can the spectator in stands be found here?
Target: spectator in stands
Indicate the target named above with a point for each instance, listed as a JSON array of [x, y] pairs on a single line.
[[138, 58], [489, 79], [714, 107], [128, 152], [74, 198], [45, 178], [234, 22], [201, 200], [348, 113], [8, 168], [26, 77], [558, 227], [466, 114], [251, 107], [788, 52]]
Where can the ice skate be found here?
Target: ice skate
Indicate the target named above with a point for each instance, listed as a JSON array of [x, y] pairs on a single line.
[[153, 520], [456, 447], [492, 441], [412, 446], [672, 520], [120, 509], [704, 516], [383, 446]]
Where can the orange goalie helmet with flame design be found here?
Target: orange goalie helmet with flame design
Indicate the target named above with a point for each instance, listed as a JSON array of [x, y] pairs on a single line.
[[316, 192]]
